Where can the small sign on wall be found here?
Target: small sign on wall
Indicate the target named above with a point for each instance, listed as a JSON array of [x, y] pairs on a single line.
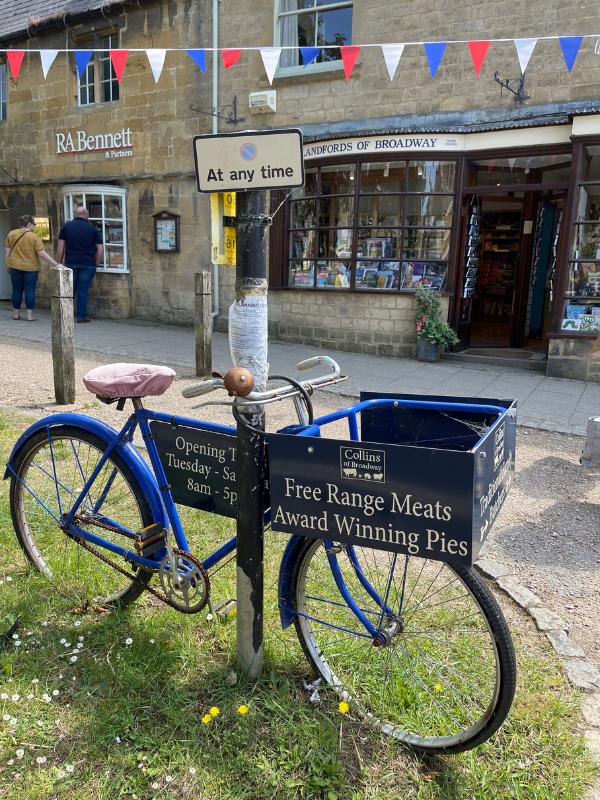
[[166, 232]]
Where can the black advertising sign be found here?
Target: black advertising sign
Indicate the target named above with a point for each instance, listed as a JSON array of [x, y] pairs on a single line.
[[419, 499], [200, 466]]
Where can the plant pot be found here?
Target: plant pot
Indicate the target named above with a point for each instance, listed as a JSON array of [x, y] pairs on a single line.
[[427, 351]]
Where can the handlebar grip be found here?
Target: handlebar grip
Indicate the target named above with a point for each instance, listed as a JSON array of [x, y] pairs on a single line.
[[204, 387]]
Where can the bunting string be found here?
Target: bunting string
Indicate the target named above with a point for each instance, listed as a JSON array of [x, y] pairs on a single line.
[[391, 52]]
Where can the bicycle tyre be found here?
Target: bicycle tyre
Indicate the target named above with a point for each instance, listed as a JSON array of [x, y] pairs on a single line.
[[432, 706], [73, 453]]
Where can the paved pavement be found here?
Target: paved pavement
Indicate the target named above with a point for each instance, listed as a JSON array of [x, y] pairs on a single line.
[[548, 403]]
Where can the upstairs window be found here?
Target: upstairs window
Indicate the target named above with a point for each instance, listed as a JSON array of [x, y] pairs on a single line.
[[99, 83], [3, 86], [313, 23]]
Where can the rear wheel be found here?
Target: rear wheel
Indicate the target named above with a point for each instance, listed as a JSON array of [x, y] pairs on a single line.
[[52, 469], [445, 678]]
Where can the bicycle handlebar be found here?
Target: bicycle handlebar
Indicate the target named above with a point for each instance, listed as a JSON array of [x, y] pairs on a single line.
[[204, 387]]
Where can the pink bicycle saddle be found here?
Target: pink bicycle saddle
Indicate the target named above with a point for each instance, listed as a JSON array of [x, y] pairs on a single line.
[[128, 380]]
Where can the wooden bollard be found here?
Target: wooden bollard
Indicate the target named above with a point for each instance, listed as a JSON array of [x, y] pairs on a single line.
[[203, 323], [63, 334]]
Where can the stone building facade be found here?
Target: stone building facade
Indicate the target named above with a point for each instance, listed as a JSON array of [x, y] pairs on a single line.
[[444, 181]]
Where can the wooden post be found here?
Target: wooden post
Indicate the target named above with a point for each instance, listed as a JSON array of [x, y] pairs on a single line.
[[203, 324], [63, 334]]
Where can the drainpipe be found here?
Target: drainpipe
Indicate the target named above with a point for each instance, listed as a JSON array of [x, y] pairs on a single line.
[[215, 129]]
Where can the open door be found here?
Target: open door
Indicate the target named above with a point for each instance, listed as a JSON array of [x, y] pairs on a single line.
[[5, 284]]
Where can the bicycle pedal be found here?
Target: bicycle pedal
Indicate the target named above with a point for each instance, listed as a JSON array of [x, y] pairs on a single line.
[[150, 540], [225, 608]]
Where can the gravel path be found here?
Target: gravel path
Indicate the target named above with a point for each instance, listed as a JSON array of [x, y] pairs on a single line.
[[548, 532]]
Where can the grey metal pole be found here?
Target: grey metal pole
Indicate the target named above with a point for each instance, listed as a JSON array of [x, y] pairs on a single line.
[[251, 285]]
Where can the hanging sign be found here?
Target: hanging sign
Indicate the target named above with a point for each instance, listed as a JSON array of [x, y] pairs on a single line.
[[390, 492], [249, 160]]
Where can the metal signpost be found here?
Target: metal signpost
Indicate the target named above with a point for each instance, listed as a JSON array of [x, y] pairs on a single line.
[[249, 163]]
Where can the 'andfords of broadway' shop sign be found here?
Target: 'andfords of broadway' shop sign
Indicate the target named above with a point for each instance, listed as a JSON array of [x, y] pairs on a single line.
[[117, 144], [421, 501]]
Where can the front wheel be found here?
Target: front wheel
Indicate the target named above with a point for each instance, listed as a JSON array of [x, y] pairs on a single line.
[[444, 678], [51, 471]]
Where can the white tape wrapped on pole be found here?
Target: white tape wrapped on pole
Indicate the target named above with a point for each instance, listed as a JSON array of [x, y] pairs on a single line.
[[248, 330]]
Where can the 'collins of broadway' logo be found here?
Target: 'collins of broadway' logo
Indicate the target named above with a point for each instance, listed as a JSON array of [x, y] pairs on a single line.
[[362, 463]]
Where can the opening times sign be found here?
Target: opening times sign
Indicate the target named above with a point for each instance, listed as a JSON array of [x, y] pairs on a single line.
[[421, 501]]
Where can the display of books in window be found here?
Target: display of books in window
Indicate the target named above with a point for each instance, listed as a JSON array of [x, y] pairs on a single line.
[[332, 274], [581, 318], [423, 273]]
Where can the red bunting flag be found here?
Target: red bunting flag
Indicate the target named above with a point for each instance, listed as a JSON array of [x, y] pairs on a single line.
[[230, 57], [119, 59], [349, 55], [478, 52], [15, 59]]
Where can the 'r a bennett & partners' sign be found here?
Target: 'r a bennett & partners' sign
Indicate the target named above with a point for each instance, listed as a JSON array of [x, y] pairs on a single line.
[[115, 144]]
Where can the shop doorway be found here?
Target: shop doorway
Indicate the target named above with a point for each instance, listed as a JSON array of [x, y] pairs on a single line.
[[509, 246], [5, 285]]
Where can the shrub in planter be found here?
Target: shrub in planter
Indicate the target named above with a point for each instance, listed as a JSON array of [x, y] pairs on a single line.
[[433, 334]]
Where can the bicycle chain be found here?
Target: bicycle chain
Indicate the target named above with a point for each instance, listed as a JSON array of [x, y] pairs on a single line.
[[159, 595]]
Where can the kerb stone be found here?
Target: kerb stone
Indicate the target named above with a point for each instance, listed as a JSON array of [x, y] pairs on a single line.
[[563, 644], [522, 596], [547, 620], [492, 569], [582, 674]]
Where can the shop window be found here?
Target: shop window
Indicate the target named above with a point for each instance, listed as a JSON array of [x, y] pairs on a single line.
[[519, 170], [107, 209], [3, 88], [384, 225], [98, 82], [312, 23], [582, 295]]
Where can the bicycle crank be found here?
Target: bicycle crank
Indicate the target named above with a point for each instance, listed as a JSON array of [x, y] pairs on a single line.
[[184, 581]]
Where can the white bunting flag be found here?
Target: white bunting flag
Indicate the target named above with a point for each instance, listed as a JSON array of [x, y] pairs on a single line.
[[525, 48], [47, 57], [156, 59], [270, 57], [392, 54], [511, 163]]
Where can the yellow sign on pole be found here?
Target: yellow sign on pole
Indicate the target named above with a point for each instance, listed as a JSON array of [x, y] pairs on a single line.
[[223, 237]]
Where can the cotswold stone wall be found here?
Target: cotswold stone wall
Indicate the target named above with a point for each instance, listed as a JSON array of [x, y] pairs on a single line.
[[158, 176]]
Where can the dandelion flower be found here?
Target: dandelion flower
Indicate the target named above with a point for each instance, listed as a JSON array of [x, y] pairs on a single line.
[[128, 641], [206, 719], [437, 687], [232, 613], [344, 707], [214, 711], [243, 709]]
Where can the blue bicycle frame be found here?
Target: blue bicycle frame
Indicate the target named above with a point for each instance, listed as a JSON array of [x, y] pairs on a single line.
[[155, 486]]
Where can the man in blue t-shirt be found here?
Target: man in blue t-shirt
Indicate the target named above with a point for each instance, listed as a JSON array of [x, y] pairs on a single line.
[[83, 245]]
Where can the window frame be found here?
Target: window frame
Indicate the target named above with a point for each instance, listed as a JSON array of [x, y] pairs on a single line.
[[287, 227], [316, 67], [94, 83], [3, 90], [83, 190]]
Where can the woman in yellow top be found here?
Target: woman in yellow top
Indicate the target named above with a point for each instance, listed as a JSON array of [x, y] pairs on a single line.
[[22, 250]]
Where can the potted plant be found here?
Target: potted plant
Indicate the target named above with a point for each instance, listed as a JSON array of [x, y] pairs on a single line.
[[433, 334]]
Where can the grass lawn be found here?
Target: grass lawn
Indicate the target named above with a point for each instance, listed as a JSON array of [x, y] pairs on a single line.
[[99, 706]]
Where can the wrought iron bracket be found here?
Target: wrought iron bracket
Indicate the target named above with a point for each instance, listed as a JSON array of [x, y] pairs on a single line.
[[516, 86], [220, 111]]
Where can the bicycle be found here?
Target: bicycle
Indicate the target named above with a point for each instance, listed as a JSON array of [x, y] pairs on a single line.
[[418, 648]]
